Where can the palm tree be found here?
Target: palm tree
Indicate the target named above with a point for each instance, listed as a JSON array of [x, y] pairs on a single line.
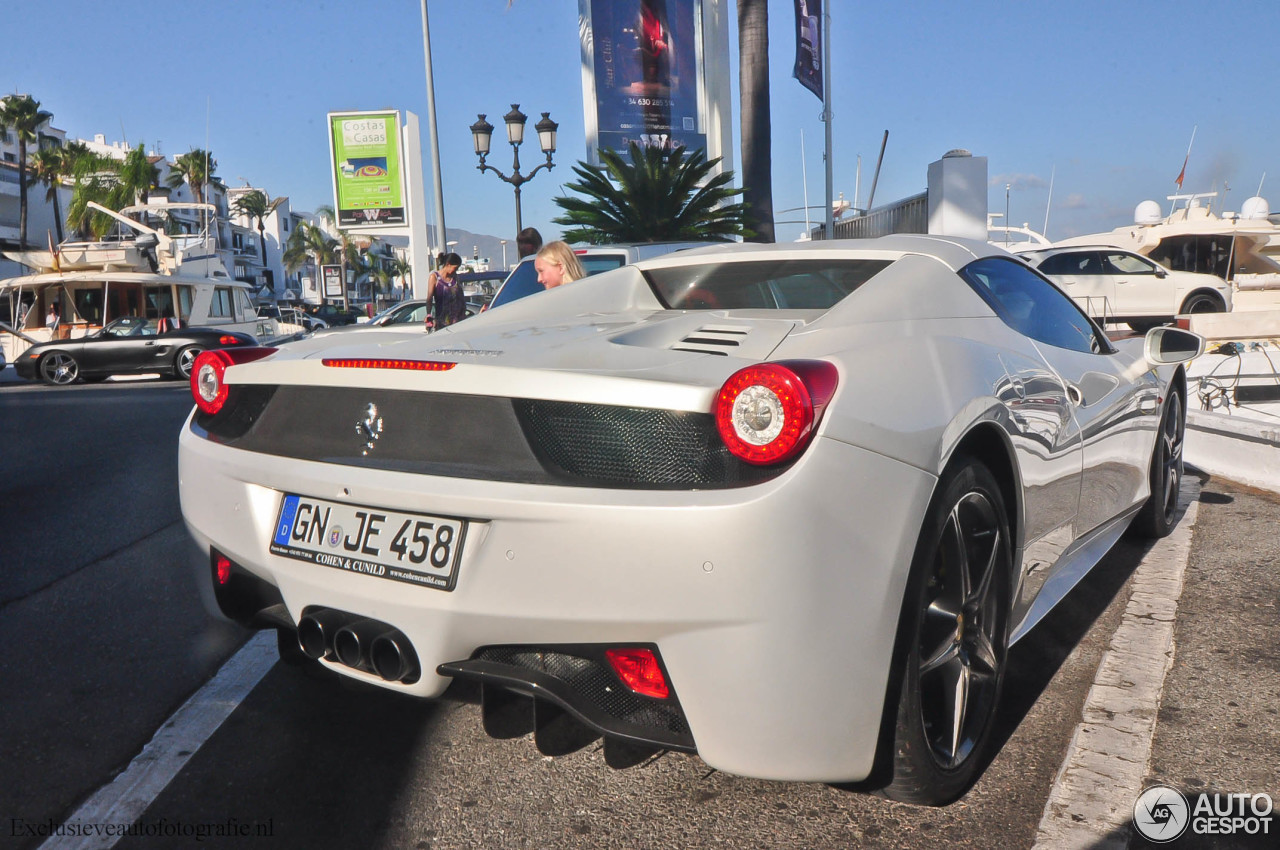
[[254, 205], [95, 179], [654, 198], [196, 168], [137, 176], [380, 281], [309, 242], [753, 95], [22, 114], [403, 269], [48, 167]]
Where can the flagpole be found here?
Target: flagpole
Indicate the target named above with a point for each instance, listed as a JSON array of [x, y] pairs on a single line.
[[830, 232], [1183, 173]]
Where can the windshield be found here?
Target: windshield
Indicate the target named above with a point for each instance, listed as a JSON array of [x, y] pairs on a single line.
[[765, 284], [522, 282]]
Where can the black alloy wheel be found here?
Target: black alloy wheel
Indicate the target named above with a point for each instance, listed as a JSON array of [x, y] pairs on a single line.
[[956, 640], [1156, 519], [57, 368]]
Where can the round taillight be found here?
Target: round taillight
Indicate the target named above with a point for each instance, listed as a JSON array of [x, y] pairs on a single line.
[[207, 385], [767, 413]]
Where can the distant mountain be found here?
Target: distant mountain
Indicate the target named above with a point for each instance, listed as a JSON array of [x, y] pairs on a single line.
[[471, 245]]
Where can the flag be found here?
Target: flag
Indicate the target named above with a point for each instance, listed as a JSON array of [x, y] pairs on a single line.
[[809, 37], [1183, 172], [54, 254]]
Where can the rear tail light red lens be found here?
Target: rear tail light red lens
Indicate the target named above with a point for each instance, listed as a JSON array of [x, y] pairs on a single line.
[[207, 385], [639, 670], [384, 363], [767, 413], [227, 339]]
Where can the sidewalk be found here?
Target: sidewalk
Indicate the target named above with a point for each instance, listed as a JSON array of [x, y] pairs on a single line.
[[1186, 695], [1217, 730]]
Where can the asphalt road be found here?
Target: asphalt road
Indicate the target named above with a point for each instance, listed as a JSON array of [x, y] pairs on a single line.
[[104, 637]]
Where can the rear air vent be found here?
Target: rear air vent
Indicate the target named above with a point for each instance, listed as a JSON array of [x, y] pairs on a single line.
[[710, 339]]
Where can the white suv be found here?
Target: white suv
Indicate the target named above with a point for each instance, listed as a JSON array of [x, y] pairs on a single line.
[[1113, 285]]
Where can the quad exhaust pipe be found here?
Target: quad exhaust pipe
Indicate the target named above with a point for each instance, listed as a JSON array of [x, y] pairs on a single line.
[[358, 643]]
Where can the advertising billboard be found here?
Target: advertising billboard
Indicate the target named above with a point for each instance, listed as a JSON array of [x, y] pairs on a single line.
[[368, 185], [643, 60], [332, 276]]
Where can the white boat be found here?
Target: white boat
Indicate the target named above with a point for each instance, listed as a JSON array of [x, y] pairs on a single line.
[[147, 273], [1242, 248]]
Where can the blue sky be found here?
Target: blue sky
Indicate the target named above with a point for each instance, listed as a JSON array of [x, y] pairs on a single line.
[[1102, 95]]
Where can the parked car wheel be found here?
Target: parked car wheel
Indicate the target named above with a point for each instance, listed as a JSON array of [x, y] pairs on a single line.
[[1203, 302], [57, 368], [956, 633], [186, 361], [1143, 327], [1155, 520]]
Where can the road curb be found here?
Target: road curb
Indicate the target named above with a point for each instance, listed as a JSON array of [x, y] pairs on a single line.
[[1091, 802]]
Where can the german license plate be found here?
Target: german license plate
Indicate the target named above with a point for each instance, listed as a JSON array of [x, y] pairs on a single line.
[[413, 548]]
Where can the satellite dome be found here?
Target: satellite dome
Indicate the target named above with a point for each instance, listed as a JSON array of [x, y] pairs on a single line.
[[1147, 212], [954, 152], [1255, 209]]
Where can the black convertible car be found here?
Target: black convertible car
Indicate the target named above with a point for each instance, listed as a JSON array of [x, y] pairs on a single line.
[[127, 346]]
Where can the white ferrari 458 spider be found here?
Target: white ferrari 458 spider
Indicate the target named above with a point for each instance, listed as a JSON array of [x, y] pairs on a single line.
[[785, 506]]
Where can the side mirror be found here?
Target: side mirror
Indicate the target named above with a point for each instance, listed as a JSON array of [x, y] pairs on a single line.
[[1164, 346], [1161, 272]]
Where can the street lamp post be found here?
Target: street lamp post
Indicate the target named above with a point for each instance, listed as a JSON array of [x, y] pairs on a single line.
[[504, 254], [482, 131]]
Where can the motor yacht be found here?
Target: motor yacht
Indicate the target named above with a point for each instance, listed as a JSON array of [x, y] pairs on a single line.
[[1242, 248], [143, 271]]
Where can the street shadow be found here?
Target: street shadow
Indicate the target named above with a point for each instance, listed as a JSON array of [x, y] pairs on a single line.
[[310, 758]]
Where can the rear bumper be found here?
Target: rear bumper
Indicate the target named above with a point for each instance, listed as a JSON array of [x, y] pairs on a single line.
[[774, 607]]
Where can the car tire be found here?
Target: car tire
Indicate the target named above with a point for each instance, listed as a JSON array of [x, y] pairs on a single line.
[[185, 361], [57, 369], [1156, 518], [1143, 327], [1203, 302], [953, 640]]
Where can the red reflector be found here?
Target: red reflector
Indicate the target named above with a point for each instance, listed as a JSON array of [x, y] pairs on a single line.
[[378, 363], [1185, 324], [639, 670], [223, 566]]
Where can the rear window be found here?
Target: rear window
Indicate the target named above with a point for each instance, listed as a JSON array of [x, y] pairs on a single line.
[[766, 284], [596, 263]]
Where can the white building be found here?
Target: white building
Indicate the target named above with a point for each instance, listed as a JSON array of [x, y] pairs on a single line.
[[41, 219]]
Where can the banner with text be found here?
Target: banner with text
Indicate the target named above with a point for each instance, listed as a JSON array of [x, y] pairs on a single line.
[[809, 36], [368, 187], [646, 63]]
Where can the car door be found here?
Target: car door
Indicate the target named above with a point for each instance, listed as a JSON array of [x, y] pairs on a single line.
[[1141, 287], [1042, 427], [1113, 410], [117, 349]]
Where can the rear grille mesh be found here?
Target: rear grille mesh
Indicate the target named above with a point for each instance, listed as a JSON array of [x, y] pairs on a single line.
[[632, 446], [526, 441]]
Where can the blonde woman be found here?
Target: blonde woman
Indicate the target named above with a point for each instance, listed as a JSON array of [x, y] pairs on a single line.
[[557, 265]]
